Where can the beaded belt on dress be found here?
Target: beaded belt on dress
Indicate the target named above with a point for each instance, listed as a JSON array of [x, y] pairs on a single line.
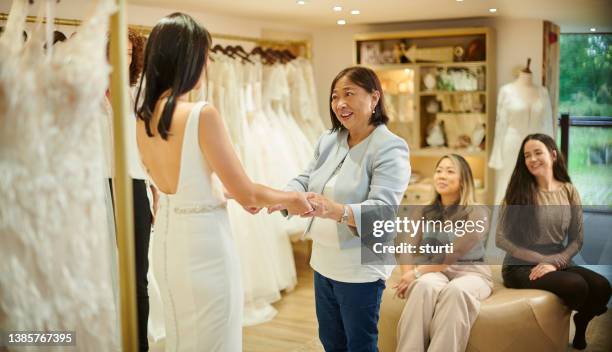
[[187, 207], [200, 208]]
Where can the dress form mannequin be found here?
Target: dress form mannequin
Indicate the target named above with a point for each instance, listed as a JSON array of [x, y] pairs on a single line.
[[522, 108]]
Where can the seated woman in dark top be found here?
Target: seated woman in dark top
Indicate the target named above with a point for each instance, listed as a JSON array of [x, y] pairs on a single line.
[[541, 210]]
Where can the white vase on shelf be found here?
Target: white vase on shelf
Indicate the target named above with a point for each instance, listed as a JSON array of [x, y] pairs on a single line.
[[436, 136], [430, 81], [478, 136]]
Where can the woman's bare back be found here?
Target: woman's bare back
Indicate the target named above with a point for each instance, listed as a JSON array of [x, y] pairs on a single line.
[[162, 158]]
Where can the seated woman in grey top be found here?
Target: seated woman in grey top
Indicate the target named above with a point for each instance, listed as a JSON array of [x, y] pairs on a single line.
[[541, 211]]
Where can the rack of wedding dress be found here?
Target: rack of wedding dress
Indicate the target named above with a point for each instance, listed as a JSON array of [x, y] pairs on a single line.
[[57, 273], [270, 111]]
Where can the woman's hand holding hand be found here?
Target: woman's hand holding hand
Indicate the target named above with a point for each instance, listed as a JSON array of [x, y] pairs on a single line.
[[540, 270], [558, 260], [323, 207], [299, 205]]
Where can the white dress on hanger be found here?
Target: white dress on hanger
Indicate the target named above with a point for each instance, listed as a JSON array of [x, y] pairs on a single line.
[[269, 259], [516, 118], [194, 259], [304, 107], [57, 252], [273, 149]]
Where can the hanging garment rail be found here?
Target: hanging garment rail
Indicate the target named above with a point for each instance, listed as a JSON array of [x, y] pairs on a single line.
[[271, 43]]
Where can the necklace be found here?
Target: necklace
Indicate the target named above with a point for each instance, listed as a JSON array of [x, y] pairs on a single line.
[[339, 166]]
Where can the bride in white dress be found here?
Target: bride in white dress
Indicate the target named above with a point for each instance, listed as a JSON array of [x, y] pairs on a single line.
[[181, 145]]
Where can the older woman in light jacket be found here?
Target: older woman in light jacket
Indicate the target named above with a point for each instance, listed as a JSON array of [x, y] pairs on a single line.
[[357, 165]]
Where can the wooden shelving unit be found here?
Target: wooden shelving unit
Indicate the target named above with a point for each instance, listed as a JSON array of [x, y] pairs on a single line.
[[408, 97]]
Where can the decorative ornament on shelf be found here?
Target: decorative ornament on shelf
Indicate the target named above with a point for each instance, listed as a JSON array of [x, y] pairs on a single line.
[[397, 53], [476, 51], [445, 81], [432, 106], [478, 136], [459, 53], [430, 81], [439, 54], [435, 138]]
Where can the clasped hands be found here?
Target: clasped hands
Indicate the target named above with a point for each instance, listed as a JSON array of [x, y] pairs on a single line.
[[549, 263], [306, 205]]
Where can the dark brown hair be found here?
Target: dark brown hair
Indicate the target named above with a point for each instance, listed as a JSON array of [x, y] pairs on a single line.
[[138, 43], [366, 79], [519, 214], [175, 56]]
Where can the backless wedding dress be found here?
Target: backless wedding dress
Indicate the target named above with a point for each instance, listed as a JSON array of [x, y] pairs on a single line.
[[194, 258]]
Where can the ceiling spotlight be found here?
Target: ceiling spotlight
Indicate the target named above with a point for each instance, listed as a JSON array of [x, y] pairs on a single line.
[[341, 22], [337, 8], [301, 2], [355, 12], [493, 10], [593, 29], [459, 0]]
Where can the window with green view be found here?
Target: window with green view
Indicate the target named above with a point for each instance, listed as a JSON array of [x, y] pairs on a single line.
[[585, 90]]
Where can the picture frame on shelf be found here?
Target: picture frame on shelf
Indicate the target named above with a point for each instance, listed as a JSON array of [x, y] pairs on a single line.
[[371, 53]]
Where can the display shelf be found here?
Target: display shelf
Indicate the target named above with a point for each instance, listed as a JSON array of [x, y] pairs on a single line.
[[385, 67], [434, 152], [436, 92], [472, 73], [467, 64]]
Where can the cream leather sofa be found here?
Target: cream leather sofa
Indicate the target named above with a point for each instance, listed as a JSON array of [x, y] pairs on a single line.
[[509, 320]]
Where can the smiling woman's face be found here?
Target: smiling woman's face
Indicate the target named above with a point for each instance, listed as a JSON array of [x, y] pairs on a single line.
[[538, 159], [447, 179], [352, 104]]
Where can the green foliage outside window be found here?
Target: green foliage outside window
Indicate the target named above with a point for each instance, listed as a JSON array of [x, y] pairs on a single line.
[[585, 89]]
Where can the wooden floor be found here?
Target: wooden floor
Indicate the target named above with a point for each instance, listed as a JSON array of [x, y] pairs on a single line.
[[295, 327]]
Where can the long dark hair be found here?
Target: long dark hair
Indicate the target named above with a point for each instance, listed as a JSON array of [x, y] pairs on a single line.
[[519, 215], [366, 79], [175, 56]]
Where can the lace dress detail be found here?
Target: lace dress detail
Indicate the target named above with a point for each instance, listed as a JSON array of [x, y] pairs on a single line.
[[56, 250]]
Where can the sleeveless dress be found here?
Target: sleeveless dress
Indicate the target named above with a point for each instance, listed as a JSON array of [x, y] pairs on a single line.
[[194, 259]]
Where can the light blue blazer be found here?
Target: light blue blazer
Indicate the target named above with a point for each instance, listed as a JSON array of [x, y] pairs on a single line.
[[375, 172]]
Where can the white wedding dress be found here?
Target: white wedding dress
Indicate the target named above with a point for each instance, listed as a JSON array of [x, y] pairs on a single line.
[[57, 254], [516, 118], [194, 259]]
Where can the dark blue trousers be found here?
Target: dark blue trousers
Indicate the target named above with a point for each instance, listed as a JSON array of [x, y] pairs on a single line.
[[348, 314]]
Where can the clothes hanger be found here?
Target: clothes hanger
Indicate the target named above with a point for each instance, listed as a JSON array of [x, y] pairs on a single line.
[[218, 48], [265, 56], [271, 54], [289, 54], [241, 53]]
